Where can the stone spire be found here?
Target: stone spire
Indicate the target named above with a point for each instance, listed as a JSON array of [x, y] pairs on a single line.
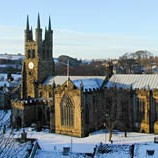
[[45, 32], [27, 23], [49, 25], [38, 22], [31, 34]]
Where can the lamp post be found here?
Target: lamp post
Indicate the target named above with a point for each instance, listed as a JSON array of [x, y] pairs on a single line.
[[105, 133]]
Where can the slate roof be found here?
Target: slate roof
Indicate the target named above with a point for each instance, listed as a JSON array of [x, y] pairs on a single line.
[[134, 81], [113, 150], [89, 82]]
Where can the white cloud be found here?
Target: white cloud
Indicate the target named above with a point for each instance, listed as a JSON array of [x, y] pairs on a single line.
[[84, 45], [80, 45]]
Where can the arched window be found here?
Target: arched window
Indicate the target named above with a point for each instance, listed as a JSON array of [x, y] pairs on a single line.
[[86, 114], [43, 55], [48, 114], [47, 54], [67, 111], [156, 109], [33, 53], [18, 122], [141, 109], [39, 114], [41, 94], [29, 53], [49, 94]]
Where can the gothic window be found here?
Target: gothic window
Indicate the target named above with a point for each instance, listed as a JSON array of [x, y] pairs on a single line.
[[48, 114], [33, 53], [30, 73], [93, 100], [43, 55], [137, 108], [41, 94], [86, 114], [48, 54], [156, 110], [39, 114], [50, 94], [67, 112], [29, 53], [18, 122], [52, 109], [124, 110], [141, 110]]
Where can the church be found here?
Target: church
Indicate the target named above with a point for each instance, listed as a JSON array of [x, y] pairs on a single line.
[[78, 105]]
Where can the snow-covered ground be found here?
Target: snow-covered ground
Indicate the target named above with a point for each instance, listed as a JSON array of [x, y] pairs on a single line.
[[52, 144]]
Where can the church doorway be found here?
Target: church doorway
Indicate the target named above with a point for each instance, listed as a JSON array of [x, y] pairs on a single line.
[[39, 114], [39, 122], [18, 122]]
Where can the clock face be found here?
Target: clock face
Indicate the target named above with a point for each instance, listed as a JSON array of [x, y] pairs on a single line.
[[31, 65]]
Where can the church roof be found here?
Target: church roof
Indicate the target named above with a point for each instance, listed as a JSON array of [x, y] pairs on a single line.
[[88, 82], [134, 81]]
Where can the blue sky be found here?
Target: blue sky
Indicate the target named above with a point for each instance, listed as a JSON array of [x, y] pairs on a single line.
[[84, 28]]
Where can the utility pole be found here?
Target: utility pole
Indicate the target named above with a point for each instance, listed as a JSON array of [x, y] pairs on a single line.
[[71, 142], [67, 69], [105, 133]]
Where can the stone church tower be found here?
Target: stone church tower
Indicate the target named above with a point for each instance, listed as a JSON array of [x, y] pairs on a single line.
[[38, 63]]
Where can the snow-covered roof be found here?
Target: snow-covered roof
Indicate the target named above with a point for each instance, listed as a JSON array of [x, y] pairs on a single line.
[[134, 81], [5, 82], [142, 150], [11, 84], [113, 150], [55, 154], [89, 82], [3, 76]]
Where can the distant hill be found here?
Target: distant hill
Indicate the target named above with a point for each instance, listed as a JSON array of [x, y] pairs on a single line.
[[63, 59], [12, 63], [12, 56]]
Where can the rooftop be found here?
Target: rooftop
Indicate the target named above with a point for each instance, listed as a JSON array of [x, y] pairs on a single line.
[[134, 81], [89, 82]]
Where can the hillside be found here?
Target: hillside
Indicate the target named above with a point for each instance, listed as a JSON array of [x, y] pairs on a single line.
[[13, 64]]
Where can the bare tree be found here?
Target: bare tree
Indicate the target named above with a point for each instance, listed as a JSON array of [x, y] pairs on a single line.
[[107, 113], [109, 124], [115, 110]]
